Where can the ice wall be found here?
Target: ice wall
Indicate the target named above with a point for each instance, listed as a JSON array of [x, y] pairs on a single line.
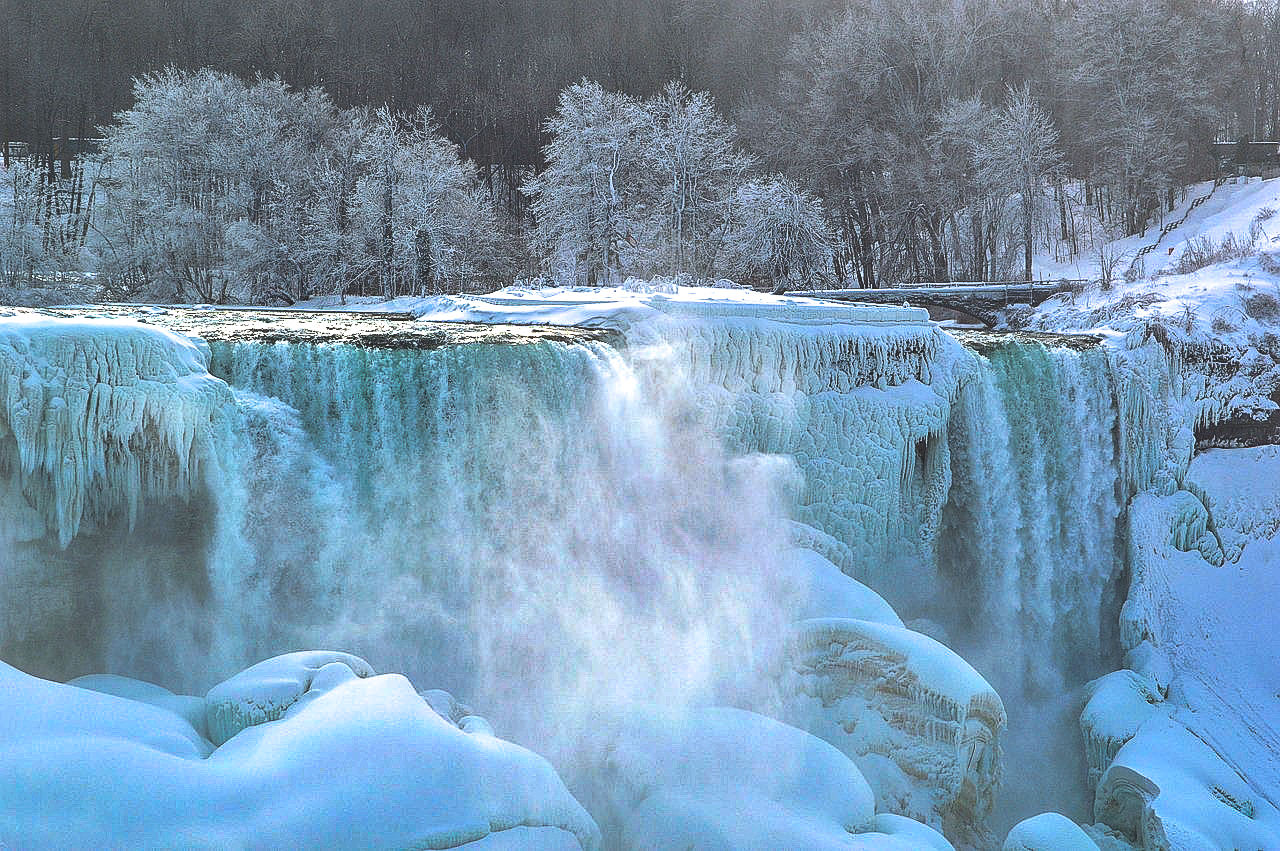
[[863, 412], [108, 438]]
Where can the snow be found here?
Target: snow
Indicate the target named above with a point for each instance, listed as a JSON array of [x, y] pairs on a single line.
[[363, 762], [267, 690], [815, 588], [1232, 209], [1201, 771], [922, 725], [622, 307]]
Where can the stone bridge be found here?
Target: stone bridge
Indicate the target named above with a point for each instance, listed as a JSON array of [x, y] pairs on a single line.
[[984, 302]]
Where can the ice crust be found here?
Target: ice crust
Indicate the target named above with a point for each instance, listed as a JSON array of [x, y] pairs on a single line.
[[358, 762], [102, 414]]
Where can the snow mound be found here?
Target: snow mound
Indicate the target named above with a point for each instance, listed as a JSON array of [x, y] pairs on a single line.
[[1118, 705], [721, 778], [363, 763], [187, 707], [1168, 789], [812, 587], [1048, 832], [99, 415], [265, 691]]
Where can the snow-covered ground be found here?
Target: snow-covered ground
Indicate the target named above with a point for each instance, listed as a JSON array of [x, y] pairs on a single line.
[[624, 306]]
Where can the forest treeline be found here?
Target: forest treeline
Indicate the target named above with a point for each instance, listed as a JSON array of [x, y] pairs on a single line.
[[850, 143]]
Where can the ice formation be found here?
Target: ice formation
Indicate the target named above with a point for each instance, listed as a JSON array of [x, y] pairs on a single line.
[[919, 721], [100, 415], [862, 410], [356, 762]]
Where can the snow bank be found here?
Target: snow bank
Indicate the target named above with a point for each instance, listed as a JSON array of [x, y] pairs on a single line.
[[355, 763], [622, 307], [1198, 773], [99, 415], [1168, 789]]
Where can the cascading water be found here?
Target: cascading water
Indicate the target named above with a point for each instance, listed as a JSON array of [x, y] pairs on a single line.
[[537, 528], [1029, 555]]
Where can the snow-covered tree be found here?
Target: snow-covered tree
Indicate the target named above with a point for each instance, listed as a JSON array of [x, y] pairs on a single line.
[[1019, 153], [693, 168], [423, 223], [202, 176], [778, 233], [588, 201]]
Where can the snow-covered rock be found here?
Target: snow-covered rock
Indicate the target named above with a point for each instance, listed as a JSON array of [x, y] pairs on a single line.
[[920, 722], [1048, 832], [358, 762], [1118, 704], [265, 691], [813, 587], [1167, 790], [721, 778]]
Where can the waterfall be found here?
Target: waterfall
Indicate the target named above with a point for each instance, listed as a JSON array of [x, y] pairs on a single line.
[[545, 527], [536, 528], [1029, 554]]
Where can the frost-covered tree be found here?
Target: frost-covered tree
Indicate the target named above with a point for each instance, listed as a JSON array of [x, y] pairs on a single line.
[[588, 202], [778, 233], [423, 225], [221, 190], [1019, 155], [203, 177], [693, 168]]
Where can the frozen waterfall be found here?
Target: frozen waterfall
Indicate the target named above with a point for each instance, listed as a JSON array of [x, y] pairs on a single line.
[[802, 520]]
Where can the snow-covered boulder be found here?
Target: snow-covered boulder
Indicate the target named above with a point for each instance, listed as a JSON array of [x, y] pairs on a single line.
[[1118, 704], [1167, 790], [923, 726], [357, 762], [811, 586], [1048, 832], [265, 691], [721, 778]]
